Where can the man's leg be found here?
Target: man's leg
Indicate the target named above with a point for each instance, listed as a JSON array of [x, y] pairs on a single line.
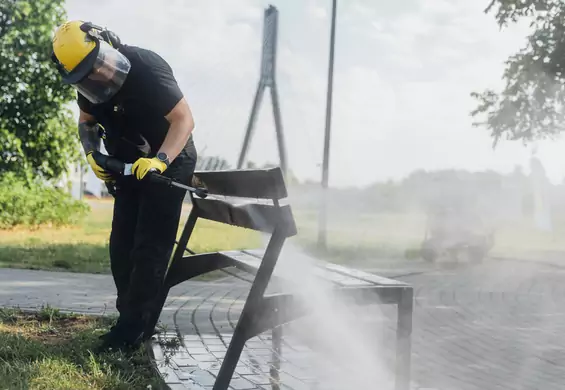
[[126, 205], [157, 225]]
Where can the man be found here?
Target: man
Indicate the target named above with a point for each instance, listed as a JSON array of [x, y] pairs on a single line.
[[129, 96]]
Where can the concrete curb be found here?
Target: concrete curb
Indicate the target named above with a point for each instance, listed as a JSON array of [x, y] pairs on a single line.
[[148, 344]]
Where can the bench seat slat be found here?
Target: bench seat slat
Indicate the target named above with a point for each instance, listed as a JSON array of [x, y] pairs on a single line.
[[365, 275], [352, 272], [251, 263]]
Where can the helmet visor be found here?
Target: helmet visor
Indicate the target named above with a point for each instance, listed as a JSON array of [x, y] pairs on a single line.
[[108, 74]]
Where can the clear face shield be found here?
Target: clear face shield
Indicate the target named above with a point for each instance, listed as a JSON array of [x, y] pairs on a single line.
[[108, 74]]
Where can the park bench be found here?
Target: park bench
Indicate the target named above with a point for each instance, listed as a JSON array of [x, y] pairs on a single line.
[[252, 199]]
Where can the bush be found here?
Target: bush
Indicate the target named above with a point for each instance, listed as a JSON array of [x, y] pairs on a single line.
[[31, 204]]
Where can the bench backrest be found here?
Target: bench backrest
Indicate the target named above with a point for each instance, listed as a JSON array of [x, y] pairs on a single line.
[[245, 198]]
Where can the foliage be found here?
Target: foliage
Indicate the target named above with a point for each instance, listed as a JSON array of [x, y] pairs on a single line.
[[531, 105], [34, 204], [420, 191], [36, 124]]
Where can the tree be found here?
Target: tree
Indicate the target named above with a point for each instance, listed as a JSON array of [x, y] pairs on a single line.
[[36, 123], [530, 107]]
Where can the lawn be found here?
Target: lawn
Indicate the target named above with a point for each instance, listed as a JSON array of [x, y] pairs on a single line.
[[48, 350], [356, 239], [365, 239], [521, 240], [84, 248]]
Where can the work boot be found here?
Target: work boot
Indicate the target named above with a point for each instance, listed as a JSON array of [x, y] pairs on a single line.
[[122, 336], [110, 334], [114, 342]]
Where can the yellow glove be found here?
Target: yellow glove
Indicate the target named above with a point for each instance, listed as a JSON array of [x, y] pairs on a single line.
[[144, 165], [100, 172]]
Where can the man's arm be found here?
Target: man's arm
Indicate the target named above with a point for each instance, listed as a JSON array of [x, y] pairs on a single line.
[[88, 132], [181, 126]]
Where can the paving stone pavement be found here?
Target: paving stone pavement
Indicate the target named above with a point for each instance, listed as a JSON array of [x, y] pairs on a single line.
[[500, 325], [81, 293], [496, 326]]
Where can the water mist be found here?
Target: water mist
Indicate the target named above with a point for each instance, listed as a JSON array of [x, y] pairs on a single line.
[[344, 337]]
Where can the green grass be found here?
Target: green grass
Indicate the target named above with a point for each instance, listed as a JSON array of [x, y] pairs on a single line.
[[84, 248], [367, 238], [358, 238], [521, 240], [48, 350], [352, 239]]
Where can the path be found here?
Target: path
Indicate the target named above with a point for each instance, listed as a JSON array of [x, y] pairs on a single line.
[[82, 293], [500, 325]]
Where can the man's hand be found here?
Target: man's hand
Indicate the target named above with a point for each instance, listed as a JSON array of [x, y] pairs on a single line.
[[100, 172], [143, 165]]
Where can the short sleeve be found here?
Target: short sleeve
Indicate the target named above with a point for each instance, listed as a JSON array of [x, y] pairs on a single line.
[[84, 104], [160, 87]]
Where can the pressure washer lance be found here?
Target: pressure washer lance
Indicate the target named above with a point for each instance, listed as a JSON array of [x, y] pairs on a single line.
[[117, 166]]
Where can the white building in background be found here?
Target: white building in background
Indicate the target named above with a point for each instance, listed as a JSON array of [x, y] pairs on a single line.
[[72, 181], [79, 182], [93, 185], [76, 181]]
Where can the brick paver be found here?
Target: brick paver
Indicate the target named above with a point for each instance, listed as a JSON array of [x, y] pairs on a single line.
[[81, 293], [493, 326], [496, 326], [499, 325]]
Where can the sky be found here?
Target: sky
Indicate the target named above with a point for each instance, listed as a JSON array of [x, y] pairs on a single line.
[[403, 75]]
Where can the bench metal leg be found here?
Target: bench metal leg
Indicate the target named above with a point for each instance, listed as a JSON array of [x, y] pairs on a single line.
[[403, 339], [153, 316], [276, 361], [245, 325], [230, 361]]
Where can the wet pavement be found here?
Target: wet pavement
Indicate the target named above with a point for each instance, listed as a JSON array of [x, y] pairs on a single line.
[[499, 325]]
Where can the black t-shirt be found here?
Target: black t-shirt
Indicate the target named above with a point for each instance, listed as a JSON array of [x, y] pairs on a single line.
[[134, 119]]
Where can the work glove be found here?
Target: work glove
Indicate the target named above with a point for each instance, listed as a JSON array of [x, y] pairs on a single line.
[[100, 172], [142, 166]]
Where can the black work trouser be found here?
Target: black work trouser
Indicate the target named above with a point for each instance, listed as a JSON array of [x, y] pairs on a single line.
[[144, 227]]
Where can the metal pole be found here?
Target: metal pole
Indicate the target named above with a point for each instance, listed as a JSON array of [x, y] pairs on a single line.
[[268, 70], [271, 77], [251, 123], [325, 168], [279, 129]]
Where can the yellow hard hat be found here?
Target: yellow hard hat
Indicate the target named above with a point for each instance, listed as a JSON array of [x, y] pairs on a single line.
[[86, 58], [71, 44]]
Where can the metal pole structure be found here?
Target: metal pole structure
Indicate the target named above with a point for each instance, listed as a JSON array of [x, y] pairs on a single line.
[[268, 79], [322, 244], [271, 70], [251, 123]]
